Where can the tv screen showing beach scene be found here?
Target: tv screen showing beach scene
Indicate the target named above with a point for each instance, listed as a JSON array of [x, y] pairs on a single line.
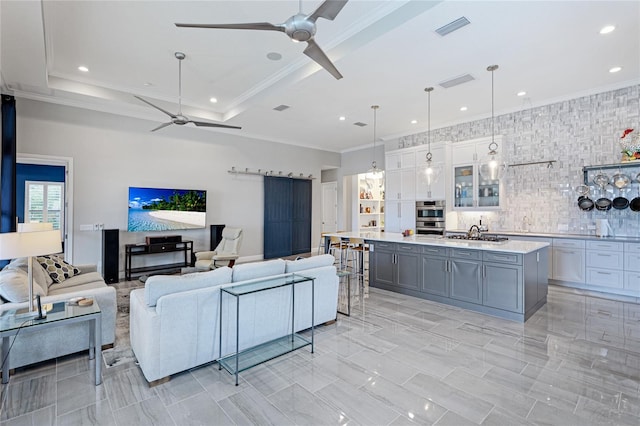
[[162, 209]]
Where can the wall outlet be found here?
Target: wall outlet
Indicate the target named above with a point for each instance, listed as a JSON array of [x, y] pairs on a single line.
[[96, 227]]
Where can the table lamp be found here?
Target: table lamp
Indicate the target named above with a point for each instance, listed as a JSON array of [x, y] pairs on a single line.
[[32, 239]]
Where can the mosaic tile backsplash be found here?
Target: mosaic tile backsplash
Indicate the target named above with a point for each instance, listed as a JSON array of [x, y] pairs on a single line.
[[575, 133]]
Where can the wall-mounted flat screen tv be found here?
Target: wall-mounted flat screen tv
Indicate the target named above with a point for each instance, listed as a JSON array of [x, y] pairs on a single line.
[[163, 209]]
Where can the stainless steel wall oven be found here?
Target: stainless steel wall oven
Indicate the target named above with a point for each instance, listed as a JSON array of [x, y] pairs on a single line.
[[430, 217]]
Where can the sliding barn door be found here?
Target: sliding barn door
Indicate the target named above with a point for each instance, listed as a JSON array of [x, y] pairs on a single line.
[[287, 216], [301, 217]]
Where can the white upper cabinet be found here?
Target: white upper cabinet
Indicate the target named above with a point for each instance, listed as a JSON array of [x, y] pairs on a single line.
[[401, 159], [400, 184], [464, 153], [470, 191]]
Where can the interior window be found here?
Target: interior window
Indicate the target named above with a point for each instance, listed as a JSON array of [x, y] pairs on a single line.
[[44, 203]]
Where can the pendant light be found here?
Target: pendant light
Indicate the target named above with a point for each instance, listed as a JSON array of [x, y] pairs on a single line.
[[374, 172], [432, 170], [492, 168]]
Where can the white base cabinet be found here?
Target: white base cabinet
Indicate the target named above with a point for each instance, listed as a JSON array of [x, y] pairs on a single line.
[[568, 260], [601, 265]]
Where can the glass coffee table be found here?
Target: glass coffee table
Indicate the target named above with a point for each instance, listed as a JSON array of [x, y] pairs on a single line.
[[241, 360], [61, 314]]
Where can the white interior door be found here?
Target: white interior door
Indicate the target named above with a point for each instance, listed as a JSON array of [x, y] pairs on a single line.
[[330, 207]]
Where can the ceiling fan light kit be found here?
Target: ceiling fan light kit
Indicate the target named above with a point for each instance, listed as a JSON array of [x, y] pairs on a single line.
[[299, 28], [179, 118]]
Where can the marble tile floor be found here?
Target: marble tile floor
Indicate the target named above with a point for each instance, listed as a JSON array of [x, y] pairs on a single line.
[[397, 360]]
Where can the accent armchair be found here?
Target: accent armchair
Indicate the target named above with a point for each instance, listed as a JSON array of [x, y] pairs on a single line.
[[225, 253]]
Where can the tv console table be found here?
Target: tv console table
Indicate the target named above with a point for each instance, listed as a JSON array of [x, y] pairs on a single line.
[[142, 249]]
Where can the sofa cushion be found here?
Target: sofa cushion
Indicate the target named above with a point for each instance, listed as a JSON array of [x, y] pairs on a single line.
[[14, 285], [309, 263], [57, 268], [77, 280], [250, 271], [85, 289], [161, 285], [40, 276]]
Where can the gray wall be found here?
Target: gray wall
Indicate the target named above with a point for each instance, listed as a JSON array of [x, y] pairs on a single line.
[[111, 153]]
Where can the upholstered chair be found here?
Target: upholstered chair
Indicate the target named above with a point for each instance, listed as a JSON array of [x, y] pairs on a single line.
[[225, 254]]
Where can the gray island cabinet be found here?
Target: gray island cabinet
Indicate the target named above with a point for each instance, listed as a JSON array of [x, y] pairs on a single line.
[[507, 280]]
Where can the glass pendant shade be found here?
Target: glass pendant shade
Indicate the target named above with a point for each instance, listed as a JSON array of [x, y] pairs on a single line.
[[492, 166], [432, 172]]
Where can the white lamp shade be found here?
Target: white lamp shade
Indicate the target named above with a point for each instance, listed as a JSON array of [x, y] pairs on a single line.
[[25, 244]]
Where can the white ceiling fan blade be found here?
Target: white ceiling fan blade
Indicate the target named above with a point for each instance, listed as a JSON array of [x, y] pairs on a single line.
[[162, 126], [265, 26], [329, 9], [314, 52], [155, 106], [205, 124]]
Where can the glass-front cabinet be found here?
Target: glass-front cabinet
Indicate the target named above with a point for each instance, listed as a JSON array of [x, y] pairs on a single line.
[[472, 191]]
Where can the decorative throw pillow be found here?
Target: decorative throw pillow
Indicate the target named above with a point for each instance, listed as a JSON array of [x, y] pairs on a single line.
[[14, 286], [57, 268], [39, 274]]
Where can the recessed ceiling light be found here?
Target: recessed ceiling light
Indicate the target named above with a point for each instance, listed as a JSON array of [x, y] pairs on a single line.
[[615, 69], [414, 121], [274, 56], [463, 108], [83, 68], [607, 29], [342, 118], [213, 100], [521, 93], [148, 84]]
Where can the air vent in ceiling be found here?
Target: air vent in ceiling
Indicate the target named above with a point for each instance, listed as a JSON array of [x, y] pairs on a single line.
[[456, 81], [359, 124], [453, 26], [281, 107]]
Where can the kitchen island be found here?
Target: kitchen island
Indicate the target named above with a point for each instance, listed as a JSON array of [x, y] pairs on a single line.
[[507, 279]]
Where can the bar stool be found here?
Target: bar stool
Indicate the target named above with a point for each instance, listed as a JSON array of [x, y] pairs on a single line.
[[336, 244], [356, 249]]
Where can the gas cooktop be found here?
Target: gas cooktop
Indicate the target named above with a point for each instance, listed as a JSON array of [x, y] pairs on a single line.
[[488, 238]]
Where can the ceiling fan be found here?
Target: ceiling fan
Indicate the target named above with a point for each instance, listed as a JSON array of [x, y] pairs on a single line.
[[178, 118], [299, 27]]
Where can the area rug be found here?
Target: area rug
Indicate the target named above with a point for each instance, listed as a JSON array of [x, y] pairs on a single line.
[[121, 352]]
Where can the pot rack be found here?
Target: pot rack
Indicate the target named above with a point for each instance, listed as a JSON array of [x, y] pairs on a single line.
[[261, 172], [549, 163], [616, 166]]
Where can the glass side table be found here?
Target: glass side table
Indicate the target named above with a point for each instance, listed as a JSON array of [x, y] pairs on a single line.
[[61, 314], [239, 360]]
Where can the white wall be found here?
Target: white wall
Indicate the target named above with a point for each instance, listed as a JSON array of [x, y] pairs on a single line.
[[112, 153]]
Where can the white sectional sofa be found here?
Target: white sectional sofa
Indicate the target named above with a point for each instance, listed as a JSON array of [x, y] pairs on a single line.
[[54, 342], [175, 320]]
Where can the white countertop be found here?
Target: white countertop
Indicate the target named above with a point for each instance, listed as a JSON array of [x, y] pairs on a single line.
[[510, 246], [625, 238]]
